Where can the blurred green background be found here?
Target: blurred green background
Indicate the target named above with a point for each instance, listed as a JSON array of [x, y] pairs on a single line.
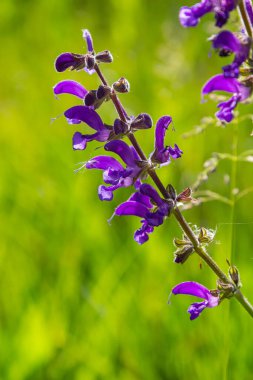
[[79, 299]]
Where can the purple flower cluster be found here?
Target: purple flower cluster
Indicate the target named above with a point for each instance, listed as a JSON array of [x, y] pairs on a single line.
[[225, 43], [131, 169]]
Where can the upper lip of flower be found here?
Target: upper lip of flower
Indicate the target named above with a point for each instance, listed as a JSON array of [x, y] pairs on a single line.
[[229, 42], [198, 290]]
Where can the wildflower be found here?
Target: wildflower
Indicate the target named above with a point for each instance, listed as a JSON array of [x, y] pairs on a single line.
[[226, 42], [211, 299], [240, 91], [190, 16], [114, 173], [148, 205], [83, 61], [78, 114], [162, 154]]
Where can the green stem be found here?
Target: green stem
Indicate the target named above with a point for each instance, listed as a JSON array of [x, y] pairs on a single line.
[[244, 18]]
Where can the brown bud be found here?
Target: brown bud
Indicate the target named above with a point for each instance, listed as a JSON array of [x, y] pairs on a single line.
[[122, 85], [90, 61], [104, 56]]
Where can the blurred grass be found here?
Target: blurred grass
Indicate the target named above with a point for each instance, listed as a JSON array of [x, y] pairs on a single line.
[[79, 299]]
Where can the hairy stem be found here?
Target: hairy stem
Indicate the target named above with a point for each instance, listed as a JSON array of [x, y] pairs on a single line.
[[199, 249], [244, 18]]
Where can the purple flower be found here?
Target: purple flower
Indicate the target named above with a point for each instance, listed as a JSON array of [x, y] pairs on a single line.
[[114, 173], [226, 42], [190, 16], [70, 87], [148, 205], [78, 114], [195, 289], [221, 83], [78, 61], [162, 154]]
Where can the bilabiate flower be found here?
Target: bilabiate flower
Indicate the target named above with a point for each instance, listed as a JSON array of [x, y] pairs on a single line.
[[147, 204], [195, 289], [226, 43], [114, 173], [162, 153], [190, 16], [78, 114], [239, 90]]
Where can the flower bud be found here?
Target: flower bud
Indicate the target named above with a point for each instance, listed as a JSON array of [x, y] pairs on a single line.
[[90, 61], [104, 56], [234, 275], [103, 92], [142, 121], [120, 127], [172, 192], [122, 85], [90, 98], [181, 255]]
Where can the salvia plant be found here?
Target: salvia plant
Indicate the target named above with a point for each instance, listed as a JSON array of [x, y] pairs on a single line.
[[125, 164]]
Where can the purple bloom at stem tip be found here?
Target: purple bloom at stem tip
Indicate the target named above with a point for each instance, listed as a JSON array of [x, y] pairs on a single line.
[[197, 290], [148, 205], [78, 114], [226, 42], [78, 61], [221, 83], [162, 154], [190, 16], [114, 173]]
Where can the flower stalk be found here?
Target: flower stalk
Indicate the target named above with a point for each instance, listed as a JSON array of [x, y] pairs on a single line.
[[198, 248]]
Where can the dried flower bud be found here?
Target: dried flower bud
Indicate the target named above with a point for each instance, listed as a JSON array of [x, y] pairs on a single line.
[[103, 92], [142, 121], [205, 236], [234, 274], [104, 56], [90, 61], [172, 192], [120, 127], [185, 196], [122, 85], [90, 98], [181, 255], [180, 242]]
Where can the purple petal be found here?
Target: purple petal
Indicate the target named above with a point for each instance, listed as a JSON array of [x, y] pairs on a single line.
[[131, 208], [226, 40], [64, 61], [161, 127], [79, 141], [86, 115], [106, 193], [190, 16], [70, 87], [149, 191], [123, 150], [196, 308], [193, 289], [220, 83], [138, 197], [88, 38], [141, 235], [103, 163]]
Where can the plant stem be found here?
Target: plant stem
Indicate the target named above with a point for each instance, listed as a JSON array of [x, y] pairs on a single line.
[[199, 249], [244, 18]]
